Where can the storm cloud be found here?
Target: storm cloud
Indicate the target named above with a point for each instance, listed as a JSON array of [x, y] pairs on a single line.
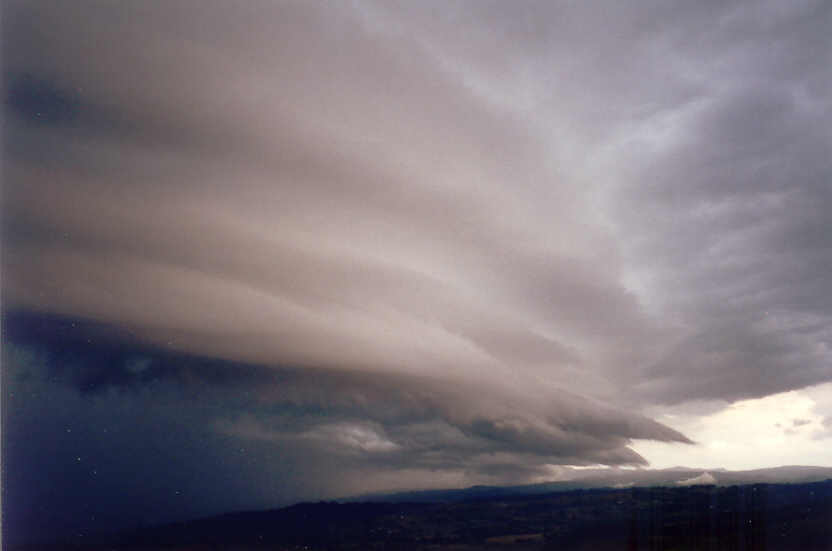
[[384, 245]]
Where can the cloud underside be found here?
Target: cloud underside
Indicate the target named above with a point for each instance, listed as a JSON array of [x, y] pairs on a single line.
[[474, 251], [360, 421]]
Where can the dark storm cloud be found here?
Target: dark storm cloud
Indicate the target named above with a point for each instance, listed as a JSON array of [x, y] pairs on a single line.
[[82, 355], [38, 101], [404, 244], [733, 213], [79, 463], [185, 436], [94, 357]]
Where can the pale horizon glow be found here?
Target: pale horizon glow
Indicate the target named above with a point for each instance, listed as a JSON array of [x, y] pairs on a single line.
[[781, 429]]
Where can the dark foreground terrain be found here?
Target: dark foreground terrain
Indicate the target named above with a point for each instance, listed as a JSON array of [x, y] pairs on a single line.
[[770, 517]]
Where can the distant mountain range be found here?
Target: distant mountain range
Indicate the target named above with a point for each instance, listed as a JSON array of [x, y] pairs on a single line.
[[618, 506], [674, 512], [581, 478]]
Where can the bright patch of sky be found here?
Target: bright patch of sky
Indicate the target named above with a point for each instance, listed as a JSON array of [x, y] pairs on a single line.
[[789, 428]]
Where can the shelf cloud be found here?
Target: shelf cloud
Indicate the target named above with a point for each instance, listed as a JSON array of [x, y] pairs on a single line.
[[389, 244]]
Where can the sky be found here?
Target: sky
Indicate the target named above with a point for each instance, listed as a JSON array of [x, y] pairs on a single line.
[[261, 252]]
